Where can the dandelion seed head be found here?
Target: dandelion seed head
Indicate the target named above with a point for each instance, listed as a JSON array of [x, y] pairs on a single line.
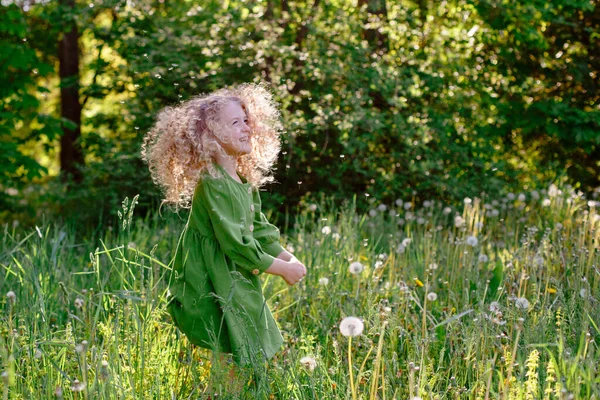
[[546, 203], [399, 202], [326, 230], [382, 207], [335, 236], [472, 241], [467, 200], [356, 268], [11, 296], [351, 326], [494, 306], [77, 386], [406, 242], [432, 296], [407, 205], [312, 207], [323, 281], [459, 221], [522, 303], [309, 363], [483, 258], [79, 302], [447, 210], [372, 212]]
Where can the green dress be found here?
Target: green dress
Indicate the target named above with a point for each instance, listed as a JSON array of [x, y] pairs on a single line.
[[215, 297]]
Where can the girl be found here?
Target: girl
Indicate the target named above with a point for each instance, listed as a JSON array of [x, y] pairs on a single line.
[[211, 154]]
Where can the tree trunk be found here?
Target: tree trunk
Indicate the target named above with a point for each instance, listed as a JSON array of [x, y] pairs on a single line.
[[71, 154]]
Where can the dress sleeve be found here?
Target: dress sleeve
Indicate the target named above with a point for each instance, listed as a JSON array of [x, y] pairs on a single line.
[[267, 234], [237, 244]]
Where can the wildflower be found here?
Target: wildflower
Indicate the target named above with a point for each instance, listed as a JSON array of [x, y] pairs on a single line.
[[104, 370], [401, 221], [521, 197], [467, 200], [356, 268], [323, 281], [406, 242], [372, 212], [382, 256], [378, 264], [400, 249], [335, 236], [58, 392], [399, 202], [421, 220], [510, 196], [494, 213], [479, 225], [459, 221], [535, 195], [79, 302], [309, 363], [407, 205], [432, 296], [447, 210], [558, 226], [546, 202], [11, 296], [290, 248], [538, 261], [433, 266], [326, 230], [553, 191], [418, 282], [472, 241], [77, 386], [351, 326], [312, 207], [382, 207], [483, 258], [409, 216], [522, 302]]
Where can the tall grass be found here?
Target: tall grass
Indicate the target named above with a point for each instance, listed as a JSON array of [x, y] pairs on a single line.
[[498, 299]]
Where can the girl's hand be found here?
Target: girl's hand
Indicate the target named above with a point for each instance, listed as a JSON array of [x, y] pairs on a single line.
[[294, 272]]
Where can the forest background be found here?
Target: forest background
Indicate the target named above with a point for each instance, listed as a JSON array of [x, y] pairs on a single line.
[[380, 99]]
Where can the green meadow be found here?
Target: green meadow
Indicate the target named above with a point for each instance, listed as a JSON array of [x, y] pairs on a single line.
[[495, 299]]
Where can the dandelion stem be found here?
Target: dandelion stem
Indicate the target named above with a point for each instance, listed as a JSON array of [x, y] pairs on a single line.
[[350, 368]]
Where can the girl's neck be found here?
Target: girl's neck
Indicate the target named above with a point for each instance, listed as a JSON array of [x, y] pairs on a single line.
[[229, 164]]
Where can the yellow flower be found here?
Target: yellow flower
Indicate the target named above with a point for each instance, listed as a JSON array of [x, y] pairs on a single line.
[[418, 282], [551, 290]]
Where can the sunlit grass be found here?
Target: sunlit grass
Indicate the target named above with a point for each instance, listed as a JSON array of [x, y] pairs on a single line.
[[498, 299]]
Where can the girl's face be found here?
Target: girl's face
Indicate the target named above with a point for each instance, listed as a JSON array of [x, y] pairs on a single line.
[[235, 132]]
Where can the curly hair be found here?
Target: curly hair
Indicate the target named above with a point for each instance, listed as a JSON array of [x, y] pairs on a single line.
[[181, 145]]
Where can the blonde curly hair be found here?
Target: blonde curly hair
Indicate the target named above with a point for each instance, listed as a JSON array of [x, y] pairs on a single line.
[[181, 145]]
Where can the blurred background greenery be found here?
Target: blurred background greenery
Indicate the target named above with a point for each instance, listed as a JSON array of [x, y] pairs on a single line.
[[395, 99]]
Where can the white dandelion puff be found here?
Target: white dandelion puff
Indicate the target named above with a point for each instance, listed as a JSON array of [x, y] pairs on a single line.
[[522, 302], [351, 326], [406, 242], [432, 296], [79, 302], [326, 230], [546, 202], [323, 281], [407, 205], [447, 210], [312, 207], [494, 306], [382, 207], [483, 258], [472, 241], [459, 221], [356, 268], [309, 363]]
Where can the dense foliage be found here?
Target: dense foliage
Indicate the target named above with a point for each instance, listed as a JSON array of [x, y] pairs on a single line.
[[393, 99]]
